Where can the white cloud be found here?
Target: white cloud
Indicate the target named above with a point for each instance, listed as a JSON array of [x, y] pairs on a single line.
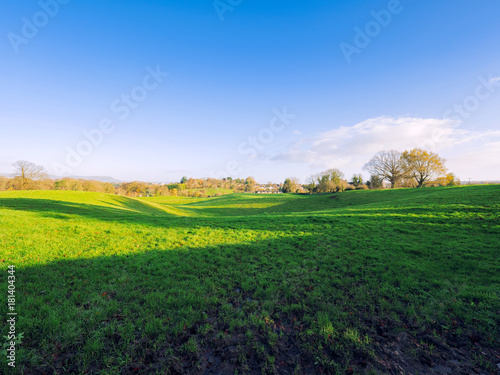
[[350, 147], [477, 161]]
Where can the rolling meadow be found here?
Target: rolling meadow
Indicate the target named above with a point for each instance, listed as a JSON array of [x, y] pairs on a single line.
[[358, 282]]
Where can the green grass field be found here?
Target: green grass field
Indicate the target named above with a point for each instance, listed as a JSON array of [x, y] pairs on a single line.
[[357, 282]]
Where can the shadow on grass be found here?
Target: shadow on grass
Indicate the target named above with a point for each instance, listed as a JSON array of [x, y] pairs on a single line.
[[186, 311], [223, 308]]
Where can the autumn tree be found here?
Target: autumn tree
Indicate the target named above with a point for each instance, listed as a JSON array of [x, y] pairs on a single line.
[[92, 185], [423, 165], [42, 184], [341, 185], [135, 188], [27, 171], [387, 165], [68, 184], [452, 180], [3, 183], [108, 188], [249, 184], [449, 180], [75, 185], [250, 181], [161, 190], [192, 183], [330, 180]]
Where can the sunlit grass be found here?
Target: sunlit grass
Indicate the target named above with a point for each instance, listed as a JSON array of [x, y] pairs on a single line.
[[107, 283]]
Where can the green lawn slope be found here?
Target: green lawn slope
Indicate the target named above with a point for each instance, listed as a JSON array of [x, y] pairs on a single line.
[[403, 280]]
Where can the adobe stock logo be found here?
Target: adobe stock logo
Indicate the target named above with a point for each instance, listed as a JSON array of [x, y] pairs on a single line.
[[484, 90], [372, 29], [31, 26], [255, 144], [122, 107], [223, 6]]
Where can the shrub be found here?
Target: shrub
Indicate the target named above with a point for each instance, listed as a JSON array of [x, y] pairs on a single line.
[[375, 182], [341, 185], [350, 187], [362, 187]]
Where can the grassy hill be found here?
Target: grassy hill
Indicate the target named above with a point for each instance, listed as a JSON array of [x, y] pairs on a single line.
[[355, 282]]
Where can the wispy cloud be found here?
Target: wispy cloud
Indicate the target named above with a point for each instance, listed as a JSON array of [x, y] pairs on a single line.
[[352, 146]]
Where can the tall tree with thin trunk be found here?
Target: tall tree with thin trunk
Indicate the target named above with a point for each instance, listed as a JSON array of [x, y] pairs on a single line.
[[387, 165], [423, 165], [26, 171]]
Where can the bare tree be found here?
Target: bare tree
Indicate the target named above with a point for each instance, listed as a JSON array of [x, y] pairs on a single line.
[[387, 165], [27, 171], [374, 182], [311, 183]]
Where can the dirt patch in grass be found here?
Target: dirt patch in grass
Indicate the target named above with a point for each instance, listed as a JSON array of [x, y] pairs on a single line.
[[425, 352]]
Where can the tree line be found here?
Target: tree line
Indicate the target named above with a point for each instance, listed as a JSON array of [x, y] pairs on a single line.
[[407, 169], [30, 176], [413, 168]]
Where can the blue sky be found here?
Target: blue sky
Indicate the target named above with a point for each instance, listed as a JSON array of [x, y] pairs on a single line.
[[424, 74]]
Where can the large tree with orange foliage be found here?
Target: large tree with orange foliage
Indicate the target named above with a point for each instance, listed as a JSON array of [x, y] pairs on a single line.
[[423, 165]]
